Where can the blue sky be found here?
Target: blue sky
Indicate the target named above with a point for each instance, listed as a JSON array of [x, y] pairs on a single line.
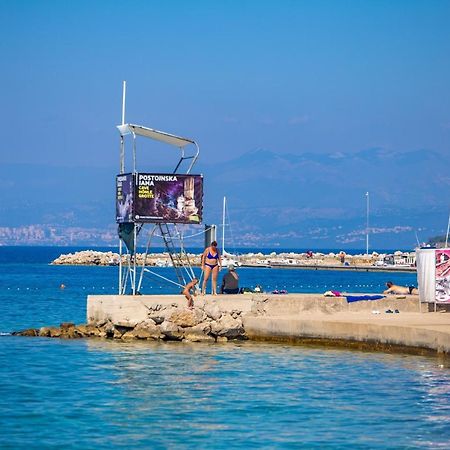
[[288, 76], [353, 80]]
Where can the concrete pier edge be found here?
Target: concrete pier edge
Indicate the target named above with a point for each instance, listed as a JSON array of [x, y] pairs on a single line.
[[310, 319]]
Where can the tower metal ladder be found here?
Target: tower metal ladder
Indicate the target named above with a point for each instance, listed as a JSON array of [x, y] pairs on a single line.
[[180, 260]]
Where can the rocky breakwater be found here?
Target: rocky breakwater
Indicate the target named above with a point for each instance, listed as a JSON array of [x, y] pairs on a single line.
[[98, 258], [88, 258], [291, 259], [206, 323]]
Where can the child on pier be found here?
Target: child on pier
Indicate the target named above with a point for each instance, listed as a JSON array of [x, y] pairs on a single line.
[[187, 292]]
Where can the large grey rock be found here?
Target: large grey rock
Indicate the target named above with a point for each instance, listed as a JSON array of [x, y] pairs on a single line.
[[187, 318], [147, 323], [118, 333], [199, 333], [198, 338], [148, 334], [128, 335], [108, 329], [70, 333], [49, 332], [171, 331], [160, 313], [147, 330], [125, 323], [28, 332], [101, 333], [99, 323], [55, 332], [228, 326], [88, 330], [111, 332], [212, 310], [157, 318]]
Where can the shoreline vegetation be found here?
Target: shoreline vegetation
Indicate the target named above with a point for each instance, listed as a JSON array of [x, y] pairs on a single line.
[[401, 261]]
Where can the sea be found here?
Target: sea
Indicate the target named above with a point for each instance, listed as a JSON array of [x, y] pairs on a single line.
[[81, 394]]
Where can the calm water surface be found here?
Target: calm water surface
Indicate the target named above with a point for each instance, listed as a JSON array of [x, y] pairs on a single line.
[[81, 394], [102, 394]]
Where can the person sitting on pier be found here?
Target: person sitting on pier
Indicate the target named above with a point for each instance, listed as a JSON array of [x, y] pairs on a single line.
[[187, 292], [230, 282], [400, 290]]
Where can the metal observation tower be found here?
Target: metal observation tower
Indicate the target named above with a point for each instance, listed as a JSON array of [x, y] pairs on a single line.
[[151, 205]]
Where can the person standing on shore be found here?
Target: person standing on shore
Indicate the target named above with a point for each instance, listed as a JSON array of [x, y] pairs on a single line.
[[230, 282], [211, 264]]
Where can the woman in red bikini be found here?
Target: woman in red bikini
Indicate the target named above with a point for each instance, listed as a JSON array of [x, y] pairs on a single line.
[[211, 263]]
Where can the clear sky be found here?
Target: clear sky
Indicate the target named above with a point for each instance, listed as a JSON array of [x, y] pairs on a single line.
[[288, 76]]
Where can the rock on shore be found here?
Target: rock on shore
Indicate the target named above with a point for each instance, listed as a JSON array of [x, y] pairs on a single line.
[[205, 324], [308, 318]]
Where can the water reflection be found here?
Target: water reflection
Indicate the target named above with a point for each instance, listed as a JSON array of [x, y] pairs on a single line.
[[276, 384], [176, 395]]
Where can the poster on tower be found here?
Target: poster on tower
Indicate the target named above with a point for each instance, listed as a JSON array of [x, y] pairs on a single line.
[[170, 198], [124, 198]]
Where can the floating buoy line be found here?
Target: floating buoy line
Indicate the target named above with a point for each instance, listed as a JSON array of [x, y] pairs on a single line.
[[269, 287]]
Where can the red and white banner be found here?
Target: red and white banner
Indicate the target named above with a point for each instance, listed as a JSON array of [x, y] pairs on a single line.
[[442, 275]]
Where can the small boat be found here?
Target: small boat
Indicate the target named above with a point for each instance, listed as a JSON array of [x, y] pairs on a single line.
[[230, 259]]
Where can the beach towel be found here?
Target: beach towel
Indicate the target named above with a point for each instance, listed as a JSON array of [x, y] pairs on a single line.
[[357, 298], [332, 294]]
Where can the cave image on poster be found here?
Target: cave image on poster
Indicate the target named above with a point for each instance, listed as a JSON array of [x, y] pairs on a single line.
[[124, 198], [168, 198], [443, 275]]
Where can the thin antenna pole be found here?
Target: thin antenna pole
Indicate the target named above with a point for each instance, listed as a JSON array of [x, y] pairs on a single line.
[[367, 223], [448, 229], [124, 94], [223, 225], [122, 170], [122, 142]]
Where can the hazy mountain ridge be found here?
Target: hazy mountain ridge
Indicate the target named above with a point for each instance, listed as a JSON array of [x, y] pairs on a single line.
[[323, 180], [310, 192], [273, 198]]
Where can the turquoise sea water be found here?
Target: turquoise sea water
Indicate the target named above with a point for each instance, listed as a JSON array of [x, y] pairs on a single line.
[[102, 394]]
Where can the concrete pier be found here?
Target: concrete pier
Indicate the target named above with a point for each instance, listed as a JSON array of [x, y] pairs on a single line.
[[302, 318]]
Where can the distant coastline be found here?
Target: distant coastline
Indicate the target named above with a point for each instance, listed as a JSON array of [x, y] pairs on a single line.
[[198, 249], [401, 261]]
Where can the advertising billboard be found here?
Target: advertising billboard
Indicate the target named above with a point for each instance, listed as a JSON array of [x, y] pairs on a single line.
[[443, 275], [124, 198], [170, 198]]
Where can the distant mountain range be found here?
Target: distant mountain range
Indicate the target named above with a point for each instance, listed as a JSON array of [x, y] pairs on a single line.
[[291, 200], [319, 199]]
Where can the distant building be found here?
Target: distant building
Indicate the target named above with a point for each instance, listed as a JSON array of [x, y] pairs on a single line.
[[400, 259]]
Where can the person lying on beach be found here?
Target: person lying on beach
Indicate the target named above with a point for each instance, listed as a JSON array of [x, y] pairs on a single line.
[[187, 292], [400, 290]]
